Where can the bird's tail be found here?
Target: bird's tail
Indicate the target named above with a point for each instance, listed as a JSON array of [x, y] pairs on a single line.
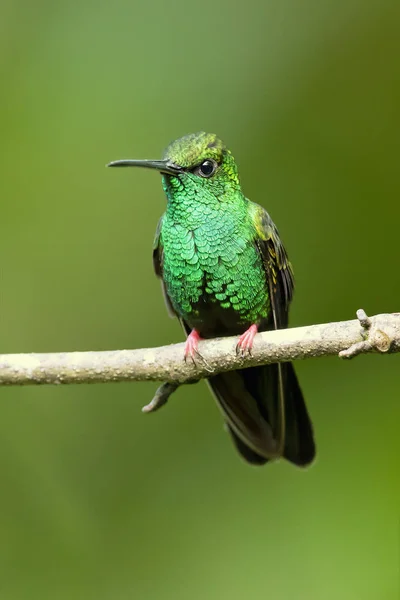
[[265, 412]]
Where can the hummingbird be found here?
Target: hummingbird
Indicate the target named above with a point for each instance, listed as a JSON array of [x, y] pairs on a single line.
[[224, 272]]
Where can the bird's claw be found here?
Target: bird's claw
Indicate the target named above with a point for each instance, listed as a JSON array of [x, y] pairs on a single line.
[[192, 352], [191, 355], [191, 344], [245, 343]]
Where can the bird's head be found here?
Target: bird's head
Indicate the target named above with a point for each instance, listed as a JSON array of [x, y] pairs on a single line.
[[198, 161]]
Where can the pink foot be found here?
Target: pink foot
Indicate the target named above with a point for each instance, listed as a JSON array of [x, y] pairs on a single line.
[[191, 345], [245, 342]]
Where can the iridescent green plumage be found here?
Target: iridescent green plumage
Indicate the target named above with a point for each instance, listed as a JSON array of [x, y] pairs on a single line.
[[224, 269]]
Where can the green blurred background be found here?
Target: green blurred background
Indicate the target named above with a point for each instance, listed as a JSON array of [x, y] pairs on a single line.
[[97, 500]]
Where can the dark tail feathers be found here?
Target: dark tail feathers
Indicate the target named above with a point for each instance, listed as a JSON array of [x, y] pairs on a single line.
[[250, 403]]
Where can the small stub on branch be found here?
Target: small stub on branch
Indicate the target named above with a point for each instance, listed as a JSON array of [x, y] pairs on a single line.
[[376, 339], [364, 319], [160, 397]]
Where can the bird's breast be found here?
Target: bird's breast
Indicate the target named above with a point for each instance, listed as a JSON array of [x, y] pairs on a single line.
[[214, 276]]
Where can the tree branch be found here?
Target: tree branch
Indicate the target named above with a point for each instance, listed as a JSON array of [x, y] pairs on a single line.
[[380, 333]]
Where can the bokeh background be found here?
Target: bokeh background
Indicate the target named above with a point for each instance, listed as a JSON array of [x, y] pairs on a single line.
[[97, 500]]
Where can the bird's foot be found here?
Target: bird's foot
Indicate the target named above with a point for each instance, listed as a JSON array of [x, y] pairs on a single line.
[[191, 344], [245, 343]]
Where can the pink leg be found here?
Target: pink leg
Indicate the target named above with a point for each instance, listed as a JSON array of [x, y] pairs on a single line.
[[245, 342], [191, 344]]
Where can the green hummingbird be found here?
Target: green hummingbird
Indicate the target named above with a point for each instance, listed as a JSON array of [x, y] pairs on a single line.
[[225, 271]]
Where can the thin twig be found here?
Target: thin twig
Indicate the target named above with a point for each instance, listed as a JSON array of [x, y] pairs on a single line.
[[380, 333]]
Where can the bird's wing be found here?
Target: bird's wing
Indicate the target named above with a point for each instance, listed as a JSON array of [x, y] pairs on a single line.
[[276, 263], [158, 258]]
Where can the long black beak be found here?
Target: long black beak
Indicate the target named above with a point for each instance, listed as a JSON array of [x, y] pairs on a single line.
[[163, 166]]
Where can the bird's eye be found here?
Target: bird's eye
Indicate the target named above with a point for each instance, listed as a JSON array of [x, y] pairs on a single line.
[[207, 168]]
